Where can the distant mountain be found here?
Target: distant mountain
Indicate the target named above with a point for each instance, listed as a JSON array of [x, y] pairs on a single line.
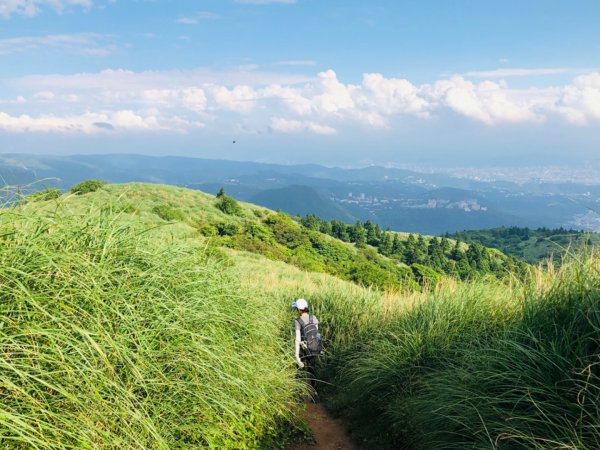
[[300, 201], [403, 200]]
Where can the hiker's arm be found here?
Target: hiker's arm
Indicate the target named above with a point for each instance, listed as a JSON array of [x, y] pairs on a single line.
[[297, 344]]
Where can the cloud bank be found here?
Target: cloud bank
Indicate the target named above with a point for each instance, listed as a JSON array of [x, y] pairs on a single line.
[[182, 101], [32, 8]]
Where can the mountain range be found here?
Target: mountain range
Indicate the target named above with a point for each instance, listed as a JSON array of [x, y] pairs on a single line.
[[400, 199]]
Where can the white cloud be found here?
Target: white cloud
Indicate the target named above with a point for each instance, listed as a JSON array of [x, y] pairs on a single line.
[[127, 80], [516, 72], [580, 101], [176, 100], [239, 99], [44, 95], [197, 18], [281, 125], [89, 44], [334, 96], [91, 123], [194, 98], [297, 62], [159, 96], [487, 102], [31, 8], [290, 97], [392, 95]]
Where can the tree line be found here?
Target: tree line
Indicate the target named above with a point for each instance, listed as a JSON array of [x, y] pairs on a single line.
[[443, 255]]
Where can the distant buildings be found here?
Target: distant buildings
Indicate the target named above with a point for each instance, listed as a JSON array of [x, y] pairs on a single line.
[[466, 205]]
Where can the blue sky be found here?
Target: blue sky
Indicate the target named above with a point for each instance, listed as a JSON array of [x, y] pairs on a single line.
[[335, 82]]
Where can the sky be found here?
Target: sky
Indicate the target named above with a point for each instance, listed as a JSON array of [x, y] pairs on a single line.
[[432, 83]]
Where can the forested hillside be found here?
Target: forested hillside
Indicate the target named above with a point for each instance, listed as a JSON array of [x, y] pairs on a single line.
[[422, 253], [531, 245]]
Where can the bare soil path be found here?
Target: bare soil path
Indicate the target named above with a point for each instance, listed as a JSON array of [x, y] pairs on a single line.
[[329, 433]]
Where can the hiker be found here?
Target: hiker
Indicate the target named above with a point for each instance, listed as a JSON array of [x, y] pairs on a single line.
[[308, 340]]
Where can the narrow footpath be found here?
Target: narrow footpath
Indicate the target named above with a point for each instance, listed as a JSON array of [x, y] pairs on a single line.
[[329, 433]]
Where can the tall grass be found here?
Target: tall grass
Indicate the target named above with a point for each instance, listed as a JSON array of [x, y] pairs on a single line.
[[112, 338], [469, 365]]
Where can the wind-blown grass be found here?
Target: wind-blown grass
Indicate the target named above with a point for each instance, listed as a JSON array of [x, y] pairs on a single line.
[[480, 365], [110, 338], [116, 336]]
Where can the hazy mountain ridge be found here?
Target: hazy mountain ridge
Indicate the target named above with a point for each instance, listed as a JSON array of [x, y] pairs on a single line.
[[302, 200], [401, 199]]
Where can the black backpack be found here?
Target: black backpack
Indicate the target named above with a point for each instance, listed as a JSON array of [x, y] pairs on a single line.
[[310, 335]]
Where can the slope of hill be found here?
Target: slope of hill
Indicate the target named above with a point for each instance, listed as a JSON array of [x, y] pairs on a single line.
[[114, 335], [278, 236]]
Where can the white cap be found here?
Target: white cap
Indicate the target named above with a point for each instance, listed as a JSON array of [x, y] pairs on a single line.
[[300, 304]]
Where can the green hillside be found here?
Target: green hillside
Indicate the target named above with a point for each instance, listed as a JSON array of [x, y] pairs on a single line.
[[532, 245], [125, 324], [363, 254]]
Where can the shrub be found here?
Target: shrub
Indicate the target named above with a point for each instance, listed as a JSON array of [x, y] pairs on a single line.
[[46, 194], [425, 275], [228, 205], [169, 213], [286, 231], [267, 249], [87, 186], [257, 231], [208, 230], [227, 229]]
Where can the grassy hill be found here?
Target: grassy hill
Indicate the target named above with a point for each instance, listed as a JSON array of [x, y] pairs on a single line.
[[383, 260], [118, 333], [532, 245], [125, 324]]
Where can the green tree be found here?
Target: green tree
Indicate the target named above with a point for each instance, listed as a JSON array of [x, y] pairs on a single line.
[[340, 230], [358, 234], [445, 245], [456, 252], [373, 233], [46, 194], [286, 231], [386, 244], [410, 249], [398, 247], [311, 222], [227, 204], [326, 228], [435, 255]]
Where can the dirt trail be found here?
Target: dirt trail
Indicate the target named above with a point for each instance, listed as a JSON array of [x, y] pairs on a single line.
[[329, 432]]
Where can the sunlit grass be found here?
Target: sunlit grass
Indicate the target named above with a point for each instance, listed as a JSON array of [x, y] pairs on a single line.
[[118, 329], [112, 338], [485, 364]]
